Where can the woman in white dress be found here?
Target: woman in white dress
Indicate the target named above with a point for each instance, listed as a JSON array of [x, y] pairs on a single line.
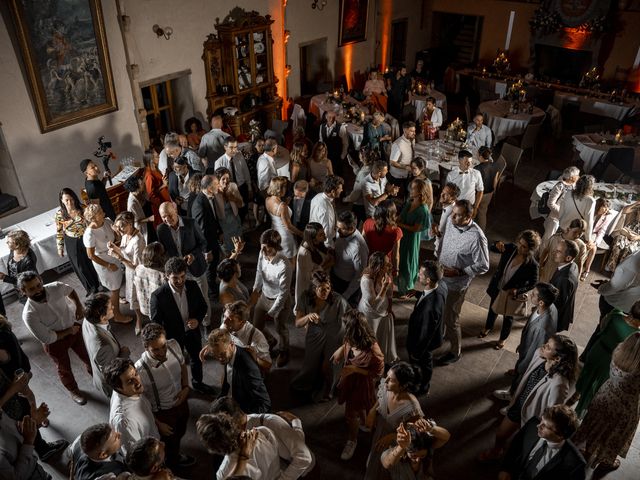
[[129, 252], [96, 239], [135, 201], [313, 256], [376, 285], [280, 214]]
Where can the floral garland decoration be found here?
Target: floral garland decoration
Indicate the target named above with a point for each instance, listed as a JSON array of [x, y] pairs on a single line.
[[545, 21]]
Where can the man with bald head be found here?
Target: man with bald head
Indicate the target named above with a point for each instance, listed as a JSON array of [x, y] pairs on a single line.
[[181, 237]]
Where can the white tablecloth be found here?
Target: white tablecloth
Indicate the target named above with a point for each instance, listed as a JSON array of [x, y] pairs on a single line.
[[320, 104], [438, 153], [592, 150], [611, 191], [42, 231], [419, 101], [596, 106], [502, 122]]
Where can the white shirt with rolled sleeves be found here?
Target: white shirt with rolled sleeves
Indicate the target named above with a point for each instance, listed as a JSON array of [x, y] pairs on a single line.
[[323, 211], [479, 138], [351, 259], [264, 463], [373, 188], [465, 248], [45, 319], [623, 290], [132, 417], [468, 182], [240, 168], [273, 279], [167, 376], [401, 152], [250, 336], [291, 443], [266, 171]]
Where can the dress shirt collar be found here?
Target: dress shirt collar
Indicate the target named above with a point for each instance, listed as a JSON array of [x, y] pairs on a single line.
[[563, 265], [153, 362], [103, 326], [180, 223], [463, 228], [176, 292]]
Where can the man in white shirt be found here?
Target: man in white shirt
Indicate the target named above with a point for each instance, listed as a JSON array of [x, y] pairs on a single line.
[[272, 292], [235, 318], [234, 161], [163, 373], [448, 198], [402, 153], [565, 184], [352, 254], [286, 427], [267, 166], [479, 135], [323, 210], [51, 319], [376, 189], [130, 412], [221, 435], [211, 144], [468, 180]]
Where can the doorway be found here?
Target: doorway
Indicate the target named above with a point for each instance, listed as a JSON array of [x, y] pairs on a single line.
[[399, 41], [314, 76]]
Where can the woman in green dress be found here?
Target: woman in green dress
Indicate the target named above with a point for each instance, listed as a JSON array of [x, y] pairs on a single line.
[[413, 220], [617, 326]]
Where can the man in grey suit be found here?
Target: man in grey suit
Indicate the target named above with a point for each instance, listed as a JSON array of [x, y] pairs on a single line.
[[102, 346], [212, 144]]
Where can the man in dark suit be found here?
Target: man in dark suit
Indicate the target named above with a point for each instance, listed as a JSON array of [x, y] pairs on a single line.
[[178, 179], [180, 237], [425, 322], [242, 378], [301, 204], [180, 307], [541, 450], [565, 279], [100, 455], [204, 213]]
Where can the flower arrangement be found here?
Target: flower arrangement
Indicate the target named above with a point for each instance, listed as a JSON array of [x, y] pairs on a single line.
[[595, 25], [591, 79], [545, 21], [515, 90], [455, 131]]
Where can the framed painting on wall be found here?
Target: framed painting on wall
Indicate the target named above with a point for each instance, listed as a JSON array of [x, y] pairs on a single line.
[[66, 59], [353, 21]]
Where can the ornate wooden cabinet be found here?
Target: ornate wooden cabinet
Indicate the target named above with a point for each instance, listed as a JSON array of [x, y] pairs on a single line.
[[238, 63]]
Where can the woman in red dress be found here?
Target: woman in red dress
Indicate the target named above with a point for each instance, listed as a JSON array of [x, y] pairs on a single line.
[[155, 184], [382, 234]]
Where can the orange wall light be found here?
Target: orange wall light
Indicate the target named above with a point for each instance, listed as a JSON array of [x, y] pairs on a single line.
[[385, 30], [348, 63]]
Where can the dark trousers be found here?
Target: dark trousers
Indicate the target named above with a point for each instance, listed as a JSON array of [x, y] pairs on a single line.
[[507, 323], [401, 183], [59, 352], [244, 193], [425, 362], [177, 418], [340, 286], [212, 274], [82, 266], [192, 343]]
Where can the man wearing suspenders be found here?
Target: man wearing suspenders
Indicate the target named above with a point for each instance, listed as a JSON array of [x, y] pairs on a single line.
[[163, 373]]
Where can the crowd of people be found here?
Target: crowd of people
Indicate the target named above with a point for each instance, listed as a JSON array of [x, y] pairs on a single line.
[[333, 264]]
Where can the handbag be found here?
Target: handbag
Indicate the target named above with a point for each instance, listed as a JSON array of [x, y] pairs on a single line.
[[505, 304]]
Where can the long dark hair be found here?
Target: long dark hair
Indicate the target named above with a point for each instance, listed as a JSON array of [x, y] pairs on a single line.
[[76, 202], [319, 277], [567, 365], [357, 331], [311, 231], [385, 215]]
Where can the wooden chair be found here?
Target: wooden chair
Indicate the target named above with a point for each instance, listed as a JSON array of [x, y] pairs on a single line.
[[512, 156]]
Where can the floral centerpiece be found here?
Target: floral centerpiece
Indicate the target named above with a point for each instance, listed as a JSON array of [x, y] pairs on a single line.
[[516, 91], [455, 131], [591, 79]]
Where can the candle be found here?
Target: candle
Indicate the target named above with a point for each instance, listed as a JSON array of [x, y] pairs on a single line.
[[636, 62], [507, 42]]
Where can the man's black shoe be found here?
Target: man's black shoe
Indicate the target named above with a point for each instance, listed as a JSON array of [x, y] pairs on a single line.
[[53, 448], [448, 359], [204, 389], [185, 461]]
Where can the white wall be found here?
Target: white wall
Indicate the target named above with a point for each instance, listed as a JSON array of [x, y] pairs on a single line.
[[44, 163]]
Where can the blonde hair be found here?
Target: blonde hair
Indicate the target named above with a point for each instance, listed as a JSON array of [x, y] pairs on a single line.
[[91, 211], [626, 356], [277, 186], [20, 239], [219, 335], [421, 185]]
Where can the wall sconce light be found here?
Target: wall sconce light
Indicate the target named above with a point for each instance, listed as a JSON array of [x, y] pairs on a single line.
[[165, 32], [287, 34], [319, 4], [287, 70]]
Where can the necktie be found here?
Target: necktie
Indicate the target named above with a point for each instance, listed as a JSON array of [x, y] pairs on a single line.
[[233, 171], [181, 179], [532, 466]]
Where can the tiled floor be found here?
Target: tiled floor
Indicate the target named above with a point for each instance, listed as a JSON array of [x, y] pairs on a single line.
[[459, 399]]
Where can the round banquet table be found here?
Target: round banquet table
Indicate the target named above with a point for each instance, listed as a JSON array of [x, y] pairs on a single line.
[[419, 101], [505, 124], [320, 104], [440, 153], [618, 195], [592, 150]]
